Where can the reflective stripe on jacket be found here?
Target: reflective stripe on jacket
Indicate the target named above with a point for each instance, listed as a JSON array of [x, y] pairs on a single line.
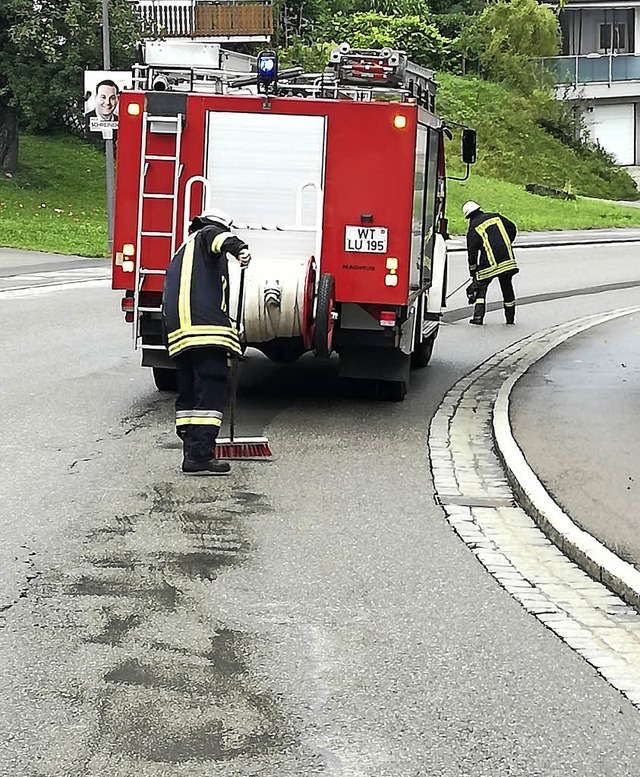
[[489, 245], [195, 300]]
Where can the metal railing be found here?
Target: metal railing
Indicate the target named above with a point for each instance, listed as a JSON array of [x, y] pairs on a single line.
[[593, 68], [199, 18]]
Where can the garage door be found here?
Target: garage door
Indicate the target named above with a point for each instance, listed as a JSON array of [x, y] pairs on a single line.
[[612, 126]]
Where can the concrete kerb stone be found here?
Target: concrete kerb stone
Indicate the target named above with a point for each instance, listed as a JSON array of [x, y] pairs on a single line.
[[581, 547], [480, 503]]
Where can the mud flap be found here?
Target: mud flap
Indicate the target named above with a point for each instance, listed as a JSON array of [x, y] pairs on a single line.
[[372, 363]]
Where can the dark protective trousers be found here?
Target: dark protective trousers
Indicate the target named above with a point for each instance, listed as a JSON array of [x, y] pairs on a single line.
[[202, 394], [508, 297]]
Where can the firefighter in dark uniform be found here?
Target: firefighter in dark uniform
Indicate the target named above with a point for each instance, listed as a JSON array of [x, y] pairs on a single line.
[[201, 337], [490, 253]]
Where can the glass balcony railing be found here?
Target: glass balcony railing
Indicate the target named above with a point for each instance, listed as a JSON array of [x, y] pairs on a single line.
[[593, 68]]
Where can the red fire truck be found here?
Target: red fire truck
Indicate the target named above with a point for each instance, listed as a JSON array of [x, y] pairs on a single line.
[[336, 181]]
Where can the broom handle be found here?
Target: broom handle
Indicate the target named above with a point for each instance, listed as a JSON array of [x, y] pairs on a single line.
[[236, 360]]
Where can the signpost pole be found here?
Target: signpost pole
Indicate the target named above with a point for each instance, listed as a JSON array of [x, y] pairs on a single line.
[[106, 61]]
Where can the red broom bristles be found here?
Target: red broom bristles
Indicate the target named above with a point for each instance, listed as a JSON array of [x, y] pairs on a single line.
[[253, 451]]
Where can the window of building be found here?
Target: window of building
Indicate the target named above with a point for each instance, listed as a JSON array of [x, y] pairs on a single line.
[[613, 38]]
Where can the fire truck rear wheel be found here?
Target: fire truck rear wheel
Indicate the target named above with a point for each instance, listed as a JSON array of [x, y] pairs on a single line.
[[422, 354], [393, 390], [323, 335], [165, 380]]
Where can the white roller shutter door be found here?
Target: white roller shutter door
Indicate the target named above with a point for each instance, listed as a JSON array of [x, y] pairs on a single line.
[[612, 126]]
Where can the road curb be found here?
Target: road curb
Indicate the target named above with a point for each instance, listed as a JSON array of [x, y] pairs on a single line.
[[581, 547]]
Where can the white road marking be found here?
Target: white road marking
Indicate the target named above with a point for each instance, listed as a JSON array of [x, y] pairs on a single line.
[[32, 291], [33, 284]]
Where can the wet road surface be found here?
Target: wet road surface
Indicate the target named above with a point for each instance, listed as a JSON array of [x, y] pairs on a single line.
[[575, 414], [313, 615]]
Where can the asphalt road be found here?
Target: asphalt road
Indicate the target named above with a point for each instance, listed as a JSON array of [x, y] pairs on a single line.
[[575, 414], [313, 615]]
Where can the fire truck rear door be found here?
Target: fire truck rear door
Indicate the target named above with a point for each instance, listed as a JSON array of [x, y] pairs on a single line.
[[268, 170]]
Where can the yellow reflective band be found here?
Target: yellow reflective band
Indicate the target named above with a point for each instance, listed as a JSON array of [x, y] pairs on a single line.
[[218, 342], [481, 229], [198, 421], [200, 330], [510, 304], [184, 297], [497, 269], [224, 342], [218, 241], [205, 339], [198, 414]]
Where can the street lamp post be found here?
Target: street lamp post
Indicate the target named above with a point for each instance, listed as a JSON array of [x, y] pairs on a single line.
[[106, 62]]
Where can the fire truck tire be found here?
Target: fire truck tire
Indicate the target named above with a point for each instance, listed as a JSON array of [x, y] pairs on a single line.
[[165, 380], [422, 354], [393, 390], [323, 335], [283, 350]]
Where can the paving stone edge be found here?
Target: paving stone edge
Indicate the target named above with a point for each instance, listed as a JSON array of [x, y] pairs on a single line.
[[584, 549]]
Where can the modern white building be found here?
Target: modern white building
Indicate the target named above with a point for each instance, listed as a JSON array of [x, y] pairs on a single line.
[[600, 68]]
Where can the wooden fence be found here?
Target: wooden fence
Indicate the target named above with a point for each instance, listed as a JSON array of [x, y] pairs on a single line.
[[190, 18]]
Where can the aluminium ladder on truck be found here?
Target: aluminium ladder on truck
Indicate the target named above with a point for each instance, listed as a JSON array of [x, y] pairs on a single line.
[[168, 125]]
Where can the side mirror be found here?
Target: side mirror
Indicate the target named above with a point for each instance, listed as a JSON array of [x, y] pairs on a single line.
[[468, 146]]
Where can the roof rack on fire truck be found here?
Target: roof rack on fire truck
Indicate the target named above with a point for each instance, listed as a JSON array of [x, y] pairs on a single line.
[[357, 74], [384, 69]]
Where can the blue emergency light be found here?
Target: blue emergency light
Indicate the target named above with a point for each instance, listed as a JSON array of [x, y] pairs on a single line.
[[267, 69]]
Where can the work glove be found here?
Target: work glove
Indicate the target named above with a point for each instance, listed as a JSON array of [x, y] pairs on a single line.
[[244, 257]]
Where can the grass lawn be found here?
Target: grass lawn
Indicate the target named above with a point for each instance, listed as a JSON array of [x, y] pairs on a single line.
[[531, 212], [513, 145], [56, 201]]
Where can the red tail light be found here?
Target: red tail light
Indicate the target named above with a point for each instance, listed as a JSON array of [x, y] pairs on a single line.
[[387, 318]]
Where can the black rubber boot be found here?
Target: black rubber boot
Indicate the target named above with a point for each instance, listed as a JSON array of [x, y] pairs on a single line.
[[477, 321], [210, 467]]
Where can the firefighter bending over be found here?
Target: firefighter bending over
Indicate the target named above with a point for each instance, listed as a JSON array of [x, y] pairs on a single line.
[[201, 337], [490, 252]]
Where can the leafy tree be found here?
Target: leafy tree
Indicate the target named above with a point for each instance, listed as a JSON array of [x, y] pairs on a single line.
[[45, 47], [509, 37], [8, 115], [312, 56], [421, 40]]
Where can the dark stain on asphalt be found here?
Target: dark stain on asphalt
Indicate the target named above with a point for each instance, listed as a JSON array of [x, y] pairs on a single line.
[[213, 714], [179, 684], [116, 628], [30, 575]]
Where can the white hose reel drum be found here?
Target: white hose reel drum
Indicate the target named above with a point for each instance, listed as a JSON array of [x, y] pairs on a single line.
[[278, 302]]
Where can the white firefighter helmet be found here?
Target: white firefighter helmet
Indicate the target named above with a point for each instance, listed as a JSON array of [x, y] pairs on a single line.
[[470, 207], [216, 216]]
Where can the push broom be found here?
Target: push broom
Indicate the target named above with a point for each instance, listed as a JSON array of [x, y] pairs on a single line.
[[232, 447]]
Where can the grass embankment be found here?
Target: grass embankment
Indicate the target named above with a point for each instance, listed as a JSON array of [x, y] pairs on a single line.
[[514, 150], [57, 200]]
